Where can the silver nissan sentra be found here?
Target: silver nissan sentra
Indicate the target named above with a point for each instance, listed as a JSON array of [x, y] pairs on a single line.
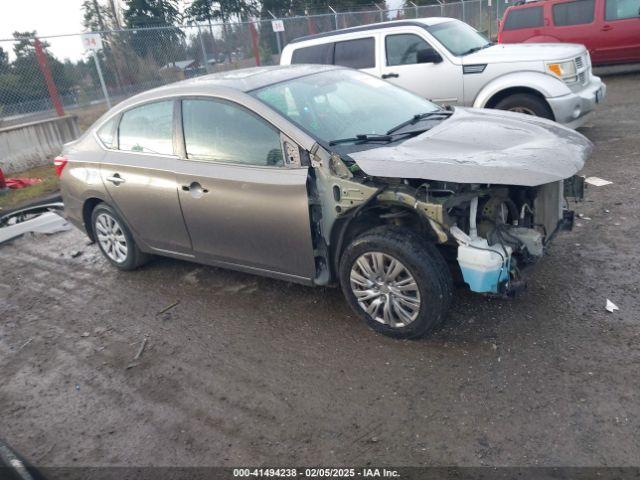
[[325, 175]]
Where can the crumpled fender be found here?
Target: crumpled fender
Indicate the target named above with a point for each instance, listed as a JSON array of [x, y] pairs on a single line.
[[546, 85]]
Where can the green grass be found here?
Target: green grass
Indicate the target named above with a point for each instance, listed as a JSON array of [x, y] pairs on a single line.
[[49, 184]]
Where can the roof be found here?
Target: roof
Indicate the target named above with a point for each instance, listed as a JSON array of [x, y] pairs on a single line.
[[242, 80], [418, 22]]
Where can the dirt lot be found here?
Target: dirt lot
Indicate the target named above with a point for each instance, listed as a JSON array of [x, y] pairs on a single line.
[[247, 370]]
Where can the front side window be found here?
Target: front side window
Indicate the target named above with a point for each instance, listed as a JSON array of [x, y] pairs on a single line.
[[358, 53], [458, 37], [343, 103], [321, 54], [621, 9], [573, 13], [220, 131], [147, 129], [403, 49], [530, 17]]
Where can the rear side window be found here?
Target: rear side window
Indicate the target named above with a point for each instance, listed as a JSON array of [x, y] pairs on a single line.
[[621, 9], [106, 133], [147, 129], [530, 17], [322, 54], [358, 53], [219, 131], [573, 13]]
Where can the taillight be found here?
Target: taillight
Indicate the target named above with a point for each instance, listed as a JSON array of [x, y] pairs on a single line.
[[59, 163]]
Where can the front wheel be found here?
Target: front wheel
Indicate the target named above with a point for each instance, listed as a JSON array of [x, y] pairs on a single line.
[[396, 281], [527, 104]]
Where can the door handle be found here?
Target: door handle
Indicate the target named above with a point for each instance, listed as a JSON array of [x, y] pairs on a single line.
[[606, 28], [116, 179], [195, 189], [390, 75]]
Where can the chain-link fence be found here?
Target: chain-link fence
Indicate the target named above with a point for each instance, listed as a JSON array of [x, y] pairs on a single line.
[[36, 81]]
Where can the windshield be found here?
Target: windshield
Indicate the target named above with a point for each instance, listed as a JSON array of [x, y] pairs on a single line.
[[458, 37], [343, 103]]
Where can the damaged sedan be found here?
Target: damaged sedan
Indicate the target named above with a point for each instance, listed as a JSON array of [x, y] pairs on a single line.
[[326, 176]]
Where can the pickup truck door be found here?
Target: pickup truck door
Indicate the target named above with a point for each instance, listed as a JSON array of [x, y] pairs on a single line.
[[410, 60]]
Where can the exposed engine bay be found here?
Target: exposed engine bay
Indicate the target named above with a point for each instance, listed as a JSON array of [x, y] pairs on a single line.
[[493, 231]]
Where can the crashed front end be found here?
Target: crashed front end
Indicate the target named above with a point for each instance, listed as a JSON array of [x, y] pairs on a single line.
[[491, 187]]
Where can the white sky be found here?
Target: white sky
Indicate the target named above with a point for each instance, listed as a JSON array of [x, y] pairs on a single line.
[[48, 17]]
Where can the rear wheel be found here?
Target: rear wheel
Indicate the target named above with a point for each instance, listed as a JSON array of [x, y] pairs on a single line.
[[115, 240], [527, 104], [396, 281]]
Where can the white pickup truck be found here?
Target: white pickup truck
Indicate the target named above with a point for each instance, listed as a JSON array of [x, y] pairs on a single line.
[[449, 62]]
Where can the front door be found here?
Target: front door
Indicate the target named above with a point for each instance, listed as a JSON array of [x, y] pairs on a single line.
[[138, 173], [242, 205], [409, 61]]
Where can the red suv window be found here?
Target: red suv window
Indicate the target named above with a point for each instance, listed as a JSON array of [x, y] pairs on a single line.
[[573, 13], [530, 17]]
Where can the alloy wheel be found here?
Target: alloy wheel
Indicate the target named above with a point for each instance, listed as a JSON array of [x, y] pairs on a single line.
[[111, 238], [525, 110], [385, 289]]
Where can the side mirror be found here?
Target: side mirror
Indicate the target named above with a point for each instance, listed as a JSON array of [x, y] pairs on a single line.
[[428, 55]]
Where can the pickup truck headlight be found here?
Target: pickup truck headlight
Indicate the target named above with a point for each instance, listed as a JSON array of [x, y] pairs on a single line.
[[566, 71]]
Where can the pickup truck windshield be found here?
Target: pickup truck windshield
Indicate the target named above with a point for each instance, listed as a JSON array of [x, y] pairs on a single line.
[[343, 103], [458, 37]]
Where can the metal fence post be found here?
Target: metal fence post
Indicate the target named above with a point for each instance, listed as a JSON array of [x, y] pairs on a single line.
[[277, 33], [204, 50], [335, 16], [415, 7], [102, 84], [254, 43], [464, 17], [381, 12]]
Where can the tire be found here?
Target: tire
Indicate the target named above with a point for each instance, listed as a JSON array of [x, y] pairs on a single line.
[[527, 104], [420, 259], [111, 234]]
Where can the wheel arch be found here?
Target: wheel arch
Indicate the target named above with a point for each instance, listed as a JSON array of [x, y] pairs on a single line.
[[87, 210], [348, 227], [536, 83]]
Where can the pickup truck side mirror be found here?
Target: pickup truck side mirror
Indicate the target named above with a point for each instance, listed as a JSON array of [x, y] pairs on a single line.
[[428, 55]]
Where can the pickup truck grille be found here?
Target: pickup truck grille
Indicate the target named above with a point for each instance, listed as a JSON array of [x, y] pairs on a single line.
[[579, 62]]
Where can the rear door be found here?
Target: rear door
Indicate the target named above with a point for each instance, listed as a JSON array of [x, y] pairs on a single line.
[[138, 173], [242, 204], [618, 39], [522, 23], [575, 22], [403, 64]]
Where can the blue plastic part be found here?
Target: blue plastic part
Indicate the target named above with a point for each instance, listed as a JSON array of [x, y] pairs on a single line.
[[485, 281]]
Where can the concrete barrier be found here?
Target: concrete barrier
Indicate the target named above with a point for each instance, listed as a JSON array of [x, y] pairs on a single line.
[[33, 144]]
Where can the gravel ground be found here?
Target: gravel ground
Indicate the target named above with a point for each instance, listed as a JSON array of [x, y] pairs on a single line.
[[248, 370]]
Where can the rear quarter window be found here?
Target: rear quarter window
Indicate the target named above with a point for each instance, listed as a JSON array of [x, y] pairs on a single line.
[[358, 53], [529, 17], [573, 13], [321, 54]]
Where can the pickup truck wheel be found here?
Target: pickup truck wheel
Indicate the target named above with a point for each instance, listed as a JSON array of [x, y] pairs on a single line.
[[115, 240], [526, 103], [396, 281]]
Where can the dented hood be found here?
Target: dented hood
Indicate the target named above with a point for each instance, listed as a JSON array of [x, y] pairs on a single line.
[[483, 146]]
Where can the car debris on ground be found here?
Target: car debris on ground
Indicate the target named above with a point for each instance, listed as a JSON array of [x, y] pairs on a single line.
[[597, 181], [610, 306], [45, 219]]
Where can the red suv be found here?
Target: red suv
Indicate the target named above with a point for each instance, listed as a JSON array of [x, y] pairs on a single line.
[[610, 29]]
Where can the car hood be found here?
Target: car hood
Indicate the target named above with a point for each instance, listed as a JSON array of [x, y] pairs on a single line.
[[483, 146], [524, 52]]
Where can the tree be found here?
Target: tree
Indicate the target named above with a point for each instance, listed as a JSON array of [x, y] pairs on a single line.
[[4, 61], [203, 11], [159, 43]]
